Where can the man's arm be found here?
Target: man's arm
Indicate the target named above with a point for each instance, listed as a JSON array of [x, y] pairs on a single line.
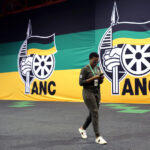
[[101, 77], [83, 81]]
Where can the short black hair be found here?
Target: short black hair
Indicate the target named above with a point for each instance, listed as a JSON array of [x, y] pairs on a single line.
[[93, 54]]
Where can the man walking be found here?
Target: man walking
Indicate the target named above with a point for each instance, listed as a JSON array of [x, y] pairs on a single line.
[[91, 78]]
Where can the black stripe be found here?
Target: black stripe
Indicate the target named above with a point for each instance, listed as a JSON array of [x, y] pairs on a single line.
[[132, 27], [67, 17], [70, 17], [41, 40]]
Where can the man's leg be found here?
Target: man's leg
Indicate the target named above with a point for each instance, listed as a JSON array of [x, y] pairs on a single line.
[[87, 122], [90, 101]]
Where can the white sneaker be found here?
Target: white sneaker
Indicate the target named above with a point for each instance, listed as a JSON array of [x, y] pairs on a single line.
[[83, 133], [100, 140]]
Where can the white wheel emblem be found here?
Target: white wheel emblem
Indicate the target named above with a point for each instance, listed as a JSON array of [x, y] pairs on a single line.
[[43, 66], [136, 59]]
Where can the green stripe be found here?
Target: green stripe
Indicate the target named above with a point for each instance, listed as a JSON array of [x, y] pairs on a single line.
[[131, 34], [72, 51], [40, 46], [9, 56], [22, 104], [127, 109], [137, 111]]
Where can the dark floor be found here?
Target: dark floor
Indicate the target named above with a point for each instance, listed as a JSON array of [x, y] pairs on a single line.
[[54, 126]]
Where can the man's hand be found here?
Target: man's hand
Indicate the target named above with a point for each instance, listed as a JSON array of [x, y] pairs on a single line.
[[96, 77], [112, 58], [26, 65]]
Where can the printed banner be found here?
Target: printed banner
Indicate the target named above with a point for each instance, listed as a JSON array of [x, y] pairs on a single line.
[[42, 52]]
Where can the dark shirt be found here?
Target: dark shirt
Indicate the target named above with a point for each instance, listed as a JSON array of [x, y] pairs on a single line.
[[85, 74]]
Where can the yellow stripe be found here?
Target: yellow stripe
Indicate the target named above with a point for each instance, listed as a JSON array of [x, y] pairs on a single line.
[[42, 52], [131, 41], [67, 89]]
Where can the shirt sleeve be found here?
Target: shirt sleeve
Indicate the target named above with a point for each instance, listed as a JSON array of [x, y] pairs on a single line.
[[82, 78], [100, 80]]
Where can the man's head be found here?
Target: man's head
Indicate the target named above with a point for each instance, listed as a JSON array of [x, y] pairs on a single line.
[[94, 59]]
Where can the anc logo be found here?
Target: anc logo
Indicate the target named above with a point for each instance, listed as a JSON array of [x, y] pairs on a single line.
[[125, 49], [36, 58]]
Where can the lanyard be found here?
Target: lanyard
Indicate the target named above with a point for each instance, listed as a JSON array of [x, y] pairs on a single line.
[[94, 72]]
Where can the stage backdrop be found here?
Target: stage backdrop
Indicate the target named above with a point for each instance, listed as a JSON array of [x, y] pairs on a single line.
[[43, 50]]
